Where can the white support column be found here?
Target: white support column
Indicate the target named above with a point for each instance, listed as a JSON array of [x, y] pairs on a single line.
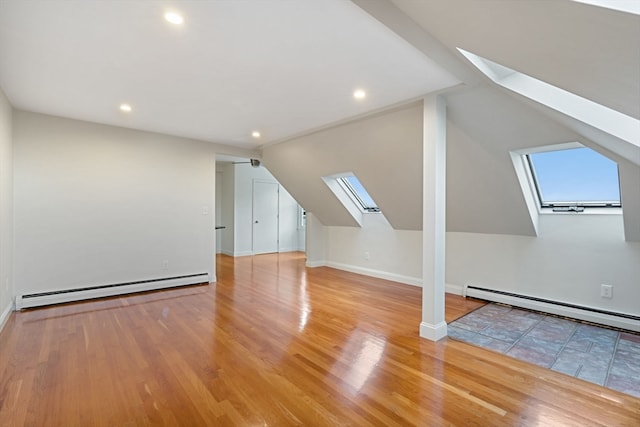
[[433, 326]]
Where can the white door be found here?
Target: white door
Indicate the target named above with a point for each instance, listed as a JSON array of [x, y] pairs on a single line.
[[265, 217]]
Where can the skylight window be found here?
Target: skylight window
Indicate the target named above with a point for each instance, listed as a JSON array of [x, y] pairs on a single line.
[[358, 193], [353, 196], [572, 179]]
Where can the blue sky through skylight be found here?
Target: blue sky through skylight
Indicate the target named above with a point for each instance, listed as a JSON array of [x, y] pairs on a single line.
[[361, 192], [576, 175]]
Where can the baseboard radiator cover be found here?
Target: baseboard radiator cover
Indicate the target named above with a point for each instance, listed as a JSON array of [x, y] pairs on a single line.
[[594, 315], [91, 292]]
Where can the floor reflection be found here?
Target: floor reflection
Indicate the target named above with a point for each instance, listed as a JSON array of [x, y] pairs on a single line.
[[359, 359]]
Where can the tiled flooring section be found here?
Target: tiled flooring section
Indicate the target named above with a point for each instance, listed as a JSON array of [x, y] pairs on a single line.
[[594, 354]]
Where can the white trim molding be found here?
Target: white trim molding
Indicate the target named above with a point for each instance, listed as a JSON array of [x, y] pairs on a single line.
[[433, 332], [4, 317]]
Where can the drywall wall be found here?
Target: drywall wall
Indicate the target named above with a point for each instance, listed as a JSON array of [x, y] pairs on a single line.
[[6, 209], [237, 210], [572, 256], [384, 151], [316, 243], [98, 205], [288, 223], [376, 249]]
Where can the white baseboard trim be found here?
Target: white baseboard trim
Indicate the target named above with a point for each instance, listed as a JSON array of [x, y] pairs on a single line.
[[314, 264], [4, 317], [242, 253], [292, 249], [433, 332], [37, 299], [558, 309], [407, 280], [225, 252]]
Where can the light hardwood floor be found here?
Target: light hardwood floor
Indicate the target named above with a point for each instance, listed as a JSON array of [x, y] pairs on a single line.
[[275, 344]]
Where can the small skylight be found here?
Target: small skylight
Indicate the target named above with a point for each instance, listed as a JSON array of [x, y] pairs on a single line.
[[572, 179], [352, 194], [357, 192]]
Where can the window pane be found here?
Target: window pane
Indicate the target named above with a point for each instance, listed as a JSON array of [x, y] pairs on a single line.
[[360, 192], [575, 175]]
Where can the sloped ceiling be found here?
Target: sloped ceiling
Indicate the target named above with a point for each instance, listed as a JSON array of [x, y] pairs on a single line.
[[587, 50], [483, 193], [575, 46], [384, 151], [591, 51], [290, 68]]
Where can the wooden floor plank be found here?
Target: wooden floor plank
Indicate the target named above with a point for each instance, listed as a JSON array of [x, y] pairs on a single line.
[[274, 343]]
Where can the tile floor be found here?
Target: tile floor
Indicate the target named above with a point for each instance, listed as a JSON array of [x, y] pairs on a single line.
[[599, 355]]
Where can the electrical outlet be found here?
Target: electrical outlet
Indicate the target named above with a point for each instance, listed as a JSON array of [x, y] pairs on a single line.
[[366, 255], [165, 265], [606, 291]]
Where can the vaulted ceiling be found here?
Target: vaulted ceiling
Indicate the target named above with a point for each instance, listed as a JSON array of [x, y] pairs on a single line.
[[288, 70]]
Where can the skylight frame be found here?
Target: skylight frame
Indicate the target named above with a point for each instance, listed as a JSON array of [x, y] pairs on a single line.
[[348, 199], [353, 193], [569, 205]]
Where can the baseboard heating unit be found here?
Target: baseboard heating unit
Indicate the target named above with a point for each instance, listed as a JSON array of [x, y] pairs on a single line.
[[100, 291], [589, 314]]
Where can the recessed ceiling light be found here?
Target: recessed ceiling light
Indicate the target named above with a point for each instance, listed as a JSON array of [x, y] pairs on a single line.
[[255, 134], [359, 94], [174, 18], [125, 107]]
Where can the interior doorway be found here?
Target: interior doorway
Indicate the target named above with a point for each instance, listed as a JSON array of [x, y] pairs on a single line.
[[265, 217]]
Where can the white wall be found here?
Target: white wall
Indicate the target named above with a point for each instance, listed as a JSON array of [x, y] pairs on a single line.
[[315, 240], [567, 262], [237, 210], [288, 230], [376, 249], [6, 209], [97, 204]]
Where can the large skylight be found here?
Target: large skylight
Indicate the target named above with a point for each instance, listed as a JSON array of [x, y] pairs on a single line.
[[574, 178]]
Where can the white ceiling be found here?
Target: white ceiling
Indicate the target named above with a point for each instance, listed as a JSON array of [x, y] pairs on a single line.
[[279, 67]]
